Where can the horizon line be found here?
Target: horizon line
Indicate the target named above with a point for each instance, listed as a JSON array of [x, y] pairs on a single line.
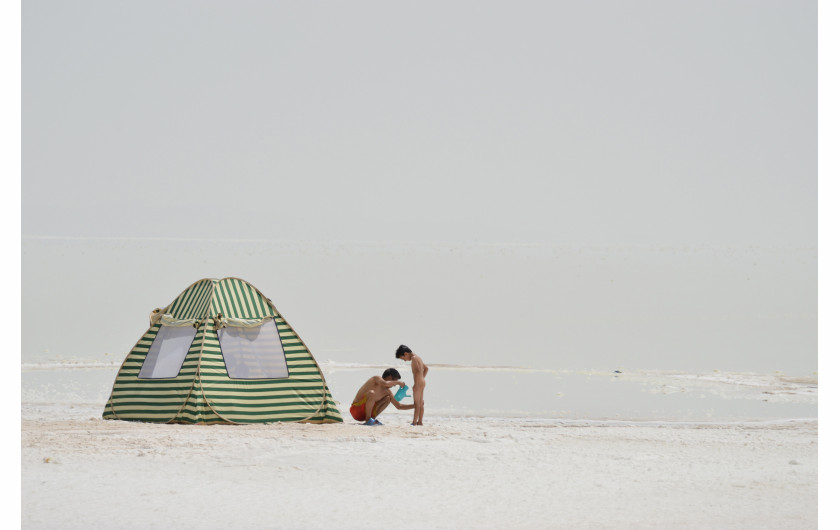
[[649, 246]]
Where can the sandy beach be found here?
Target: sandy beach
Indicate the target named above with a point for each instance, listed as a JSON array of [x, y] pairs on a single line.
[[85, 472]]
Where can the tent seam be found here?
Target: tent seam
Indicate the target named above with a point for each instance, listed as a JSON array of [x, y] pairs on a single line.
[[197, 378]]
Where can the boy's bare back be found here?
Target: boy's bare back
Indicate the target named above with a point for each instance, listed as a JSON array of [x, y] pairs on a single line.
[[375, 383]]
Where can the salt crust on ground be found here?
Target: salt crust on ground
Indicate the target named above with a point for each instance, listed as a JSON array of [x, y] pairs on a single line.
[[85, 472]]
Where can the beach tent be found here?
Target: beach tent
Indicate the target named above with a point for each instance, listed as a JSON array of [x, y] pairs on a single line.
[[220, 353]]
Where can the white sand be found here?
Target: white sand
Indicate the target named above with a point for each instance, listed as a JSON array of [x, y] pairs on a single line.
[[85, 472]]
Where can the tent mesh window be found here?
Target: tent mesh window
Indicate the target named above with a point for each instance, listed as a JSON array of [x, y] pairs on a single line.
[[253, 352], [167, 353]]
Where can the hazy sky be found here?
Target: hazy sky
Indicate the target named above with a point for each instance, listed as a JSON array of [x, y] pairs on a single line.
[[684, 131], [570, 123]]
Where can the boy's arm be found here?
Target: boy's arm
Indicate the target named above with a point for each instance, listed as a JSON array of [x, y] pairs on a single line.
[[399, 405]]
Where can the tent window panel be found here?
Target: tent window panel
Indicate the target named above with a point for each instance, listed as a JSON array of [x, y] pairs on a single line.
[[253, 353], [168, 351]]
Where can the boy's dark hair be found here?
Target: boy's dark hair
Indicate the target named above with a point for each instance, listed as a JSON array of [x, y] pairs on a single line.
[[391, 372], [402, 350]]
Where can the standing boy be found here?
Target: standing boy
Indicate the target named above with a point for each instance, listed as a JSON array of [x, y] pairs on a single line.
[[419, 370]]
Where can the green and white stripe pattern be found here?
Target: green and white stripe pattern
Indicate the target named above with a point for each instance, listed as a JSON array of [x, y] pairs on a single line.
[[203, 392]]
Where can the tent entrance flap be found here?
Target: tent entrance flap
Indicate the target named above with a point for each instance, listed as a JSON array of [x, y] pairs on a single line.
[[168, 351], [253, 352]]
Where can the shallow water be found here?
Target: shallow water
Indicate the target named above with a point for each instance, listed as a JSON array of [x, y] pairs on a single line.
[[521, 392], [688, 309], [506, 392]]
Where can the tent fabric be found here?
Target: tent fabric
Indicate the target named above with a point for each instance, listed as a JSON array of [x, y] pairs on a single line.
[[168, 320], [203, 390], [223, 322]]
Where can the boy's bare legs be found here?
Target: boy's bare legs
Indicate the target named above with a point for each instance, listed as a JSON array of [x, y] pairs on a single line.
[[374, 408], [381, 405], [369, 404], [418, 404]]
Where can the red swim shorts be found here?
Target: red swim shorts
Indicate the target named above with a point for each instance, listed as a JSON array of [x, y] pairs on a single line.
[[357, 410]]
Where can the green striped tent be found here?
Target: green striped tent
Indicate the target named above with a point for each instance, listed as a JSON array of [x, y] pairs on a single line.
[[220, 353]]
